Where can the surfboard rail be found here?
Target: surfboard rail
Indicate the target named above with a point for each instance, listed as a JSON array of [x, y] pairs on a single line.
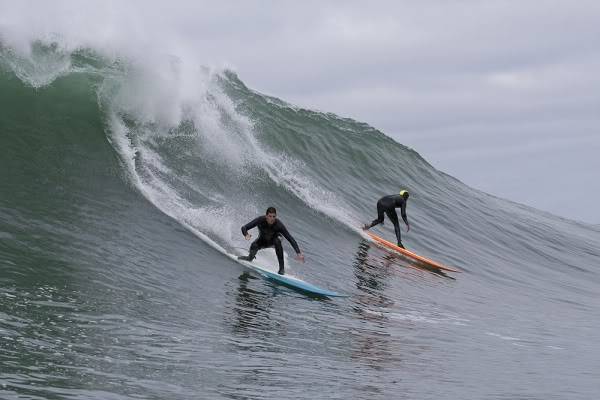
[[392, 246], [290, 281]]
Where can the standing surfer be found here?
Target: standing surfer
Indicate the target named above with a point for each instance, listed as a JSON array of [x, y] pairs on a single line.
[[388, 205]]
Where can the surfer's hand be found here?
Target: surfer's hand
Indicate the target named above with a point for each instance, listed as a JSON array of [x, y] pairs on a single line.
[[300, 257], [248, 236], [407, 227]]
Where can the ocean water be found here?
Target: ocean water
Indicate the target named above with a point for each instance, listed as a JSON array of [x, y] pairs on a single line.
[[123, 187]]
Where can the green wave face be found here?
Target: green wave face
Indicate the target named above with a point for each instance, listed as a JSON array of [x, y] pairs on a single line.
[[122, 182]]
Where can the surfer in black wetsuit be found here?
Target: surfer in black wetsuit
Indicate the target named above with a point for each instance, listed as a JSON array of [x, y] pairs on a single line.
[[388, 205], [269, 228]]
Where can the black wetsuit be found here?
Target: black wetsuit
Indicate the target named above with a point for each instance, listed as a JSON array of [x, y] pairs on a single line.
[[269, 237], [388, 205]]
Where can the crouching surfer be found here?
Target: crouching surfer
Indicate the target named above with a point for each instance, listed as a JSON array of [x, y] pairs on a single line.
[[269, 230]]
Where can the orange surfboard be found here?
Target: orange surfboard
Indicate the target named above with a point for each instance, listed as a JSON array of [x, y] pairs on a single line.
[[404, 252]]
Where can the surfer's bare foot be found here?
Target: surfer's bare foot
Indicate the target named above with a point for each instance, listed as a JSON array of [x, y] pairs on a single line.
[[245, 258], [365, 227]]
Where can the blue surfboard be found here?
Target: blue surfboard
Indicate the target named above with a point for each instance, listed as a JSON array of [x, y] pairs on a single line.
[[290, 281]]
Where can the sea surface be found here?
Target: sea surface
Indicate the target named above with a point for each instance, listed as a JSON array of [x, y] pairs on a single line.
[[123, 188]]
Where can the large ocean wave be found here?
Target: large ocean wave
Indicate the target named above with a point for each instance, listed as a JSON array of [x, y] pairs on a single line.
[[85, 133]]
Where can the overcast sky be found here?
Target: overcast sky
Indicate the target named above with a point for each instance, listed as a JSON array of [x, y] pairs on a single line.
[[503, 95]]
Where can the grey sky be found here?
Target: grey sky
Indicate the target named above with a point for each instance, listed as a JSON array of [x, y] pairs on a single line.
[[503, 95]]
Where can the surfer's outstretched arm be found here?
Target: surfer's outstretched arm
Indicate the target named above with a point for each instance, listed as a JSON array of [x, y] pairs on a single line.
[[404, 217], [292, 241], [251, 225]]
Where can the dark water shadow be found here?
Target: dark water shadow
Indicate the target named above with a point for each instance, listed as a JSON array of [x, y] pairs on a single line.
[[371, 340], [251, 307]]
